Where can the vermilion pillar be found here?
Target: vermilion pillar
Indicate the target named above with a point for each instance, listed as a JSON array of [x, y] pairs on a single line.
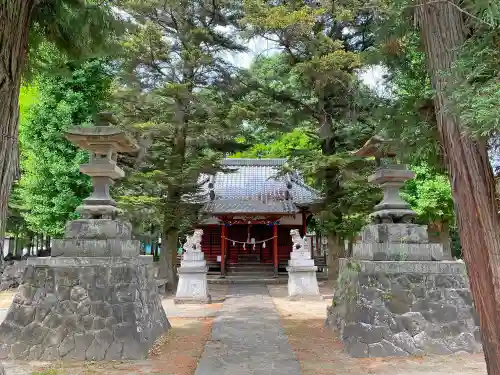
[[275, 249], [223, 251], [304, 224]]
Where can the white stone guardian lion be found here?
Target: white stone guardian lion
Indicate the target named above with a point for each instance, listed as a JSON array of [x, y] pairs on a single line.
[[193, 242]]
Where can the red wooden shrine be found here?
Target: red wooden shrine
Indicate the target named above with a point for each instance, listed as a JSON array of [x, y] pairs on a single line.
[[250, 212]]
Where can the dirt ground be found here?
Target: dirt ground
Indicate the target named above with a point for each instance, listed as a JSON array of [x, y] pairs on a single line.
[[6, 299], [175, 354], [320, 352]]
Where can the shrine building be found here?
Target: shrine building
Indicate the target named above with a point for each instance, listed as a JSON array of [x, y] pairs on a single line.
[[249, 210]]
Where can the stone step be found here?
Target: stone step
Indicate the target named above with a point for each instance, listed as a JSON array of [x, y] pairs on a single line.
[[249, 263], [255, 274], [247, 280], [251, 268]]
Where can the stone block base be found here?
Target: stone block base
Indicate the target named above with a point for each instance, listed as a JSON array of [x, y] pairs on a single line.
[[84, 309], [192, 286], [405, 242], [12, 275], [302, 282], [95, 248], [404, 308], [98, 229]]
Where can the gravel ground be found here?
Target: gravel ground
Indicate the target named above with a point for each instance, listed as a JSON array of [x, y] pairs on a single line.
[[321, 353]]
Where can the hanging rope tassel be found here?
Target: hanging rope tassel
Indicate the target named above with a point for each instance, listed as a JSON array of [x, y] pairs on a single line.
[[264, 245]]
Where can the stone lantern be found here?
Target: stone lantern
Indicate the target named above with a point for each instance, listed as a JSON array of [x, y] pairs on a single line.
[[103, 142], [390, 176], [104, 232], [95, 298], [393, 235]]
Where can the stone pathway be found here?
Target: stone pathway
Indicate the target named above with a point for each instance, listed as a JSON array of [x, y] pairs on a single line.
[[247, 337]]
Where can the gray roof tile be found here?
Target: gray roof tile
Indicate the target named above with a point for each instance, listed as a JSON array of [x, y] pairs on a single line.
[[252, 186]]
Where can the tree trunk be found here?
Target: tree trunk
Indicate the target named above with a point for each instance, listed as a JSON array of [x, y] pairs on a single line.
[[439, 232], [14, 28], [444, 239], [443, 32], [167, 263], [336, 251], [168, 255]]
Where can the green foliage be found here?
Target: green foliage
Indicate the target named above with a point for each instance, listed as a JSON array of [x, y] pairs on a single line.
[[429, 194], [175, 93], [50, 371], [312, 84], [476, 92], [15, 220], [474, 89], [51, 186], [285, 145], [72, 29], [27, 97], [408, 114]]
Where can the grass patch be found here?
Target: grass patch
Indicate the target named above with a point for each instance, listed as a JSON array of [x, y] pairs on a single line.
[[51, 371]]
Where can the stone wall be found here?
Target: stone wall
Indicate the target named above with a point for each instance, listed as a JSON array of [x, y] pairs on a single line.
[[84, 309], [12, 275], [404, 308]]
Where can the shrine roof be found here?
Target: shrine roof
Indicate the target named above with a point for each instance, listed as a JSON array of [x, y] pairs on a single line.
[[255, 186]]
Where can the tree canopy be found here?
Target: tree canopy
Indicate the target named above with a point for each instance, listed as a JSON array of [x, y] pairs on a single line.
[[51, 186], [31, 31], [175, 92]]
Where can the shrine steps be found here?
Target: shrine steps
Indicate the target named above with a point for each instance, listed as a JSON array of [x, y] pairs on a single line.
[[252, 273], [281, 279]]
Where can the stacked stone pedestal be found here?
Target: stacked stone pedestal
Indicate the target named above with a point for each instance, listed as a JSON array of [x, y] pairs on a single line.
[[402, 308], [192, 286], [302, 280], [87, 308]]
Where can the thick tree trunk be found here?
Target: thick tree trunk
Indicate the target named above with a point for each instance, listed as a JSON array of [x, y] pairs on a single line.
[[336, 251], [14, 28], [443, 32]]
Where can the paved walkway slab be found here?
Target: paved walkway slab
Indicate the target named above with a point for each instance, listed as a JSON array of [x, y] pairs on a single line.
[[247, 337]]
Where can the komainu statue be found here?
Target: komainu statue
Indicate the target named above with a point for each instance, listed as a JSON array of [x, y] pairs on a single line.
[[298, 242], [193, 242]]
